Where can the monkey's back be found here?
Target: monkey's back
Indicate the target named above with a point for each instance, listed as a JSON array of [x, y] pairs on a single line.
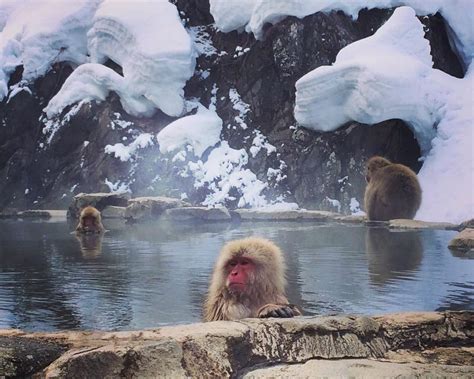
[[394, 192]]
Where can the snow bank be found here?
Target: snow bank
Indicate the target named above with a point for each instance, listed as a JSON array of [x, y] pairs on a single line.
[[37, 34], [389, 75], [152, 47], [149, 41], [254, 14], [198, 132]]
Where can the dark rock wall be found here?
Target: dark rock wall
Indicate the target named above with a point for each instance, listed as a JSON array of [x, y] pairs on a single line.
[[316, 165]]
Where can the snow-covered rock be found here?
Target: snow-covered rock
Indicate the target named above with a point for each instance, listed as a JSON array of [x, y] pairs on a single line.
[[36, 35], [389, 75], [152, 47], [254, 14]]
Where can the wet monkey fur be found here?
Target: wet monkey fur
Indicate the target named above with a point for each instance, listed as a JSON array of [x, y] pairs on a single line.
[[392, 191], [90, 221], [248, 281]]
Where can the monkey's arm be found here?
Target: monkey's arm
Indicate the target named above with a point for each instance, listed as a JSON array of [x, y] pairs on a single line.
[[278, 310]]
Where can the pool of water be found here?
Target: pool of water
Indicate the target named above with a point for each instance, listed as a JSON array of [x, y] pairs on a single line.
[[155, 274]]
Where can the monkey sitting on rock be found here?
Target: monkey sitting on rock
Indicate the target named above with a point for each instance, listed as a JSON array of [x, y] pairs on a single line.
[[392, 191], [248, 281]]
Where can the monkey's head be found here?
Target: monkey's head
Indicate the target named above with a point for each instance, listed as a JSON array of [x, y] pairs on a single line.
[[373, 164], [251, 267], [90, 219]]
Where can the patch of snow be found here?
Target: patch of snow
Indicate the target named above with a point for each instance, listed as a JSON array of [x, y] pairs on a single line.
[[224, 171], [199, 132], [17, 88], [202, 41], [129, 152], [240, 106], [118, 186], [335, 203], [389, 75], [354, 207], [260, 142], [53, 125]]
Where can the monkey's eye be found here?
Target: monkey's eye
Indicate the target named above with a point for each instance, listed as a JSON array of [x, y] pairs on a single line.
[[232, 263], [244, 262]]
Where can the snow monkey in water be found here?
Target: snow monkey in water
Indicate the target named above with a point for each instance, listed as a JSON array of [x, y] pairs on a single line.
[[248, 281], [90, 221], [392, 191]]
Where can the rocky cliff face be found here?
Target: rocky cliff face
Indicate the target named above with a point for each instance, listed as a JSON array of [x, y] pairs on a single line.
[[43, 163]]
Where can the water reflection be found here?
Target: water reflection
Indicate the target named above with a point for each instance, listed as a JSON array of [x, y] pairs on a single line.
[[142, 276], [90, 244], [392, 254]]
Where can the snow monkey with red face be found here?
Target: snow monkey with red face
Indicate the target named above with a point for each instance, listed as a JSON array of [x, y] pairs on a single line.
[[248, 281], [392, 191], [90, 221]]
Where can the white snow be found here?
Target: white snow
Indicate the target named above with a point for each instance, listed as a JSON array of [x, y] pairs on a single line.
[[200, 131], [389, 75], [254, 14], [335, 203], [240, 106], [118, 186], [37, 34], [225, 170], [129, 152], [152, 47]]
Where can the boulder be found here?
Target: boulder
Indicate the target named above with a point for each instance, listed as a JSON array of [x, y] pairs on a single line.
[[463, 240], [423, 341], [198, 213], [22, 357], [417, 224], [113, 211], [145, 208], [99, 200]]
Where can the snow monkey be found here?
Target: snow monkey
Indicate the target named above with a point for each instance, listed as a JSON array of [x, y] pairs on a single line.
[[392, 191], [248, 281], [90, 221]]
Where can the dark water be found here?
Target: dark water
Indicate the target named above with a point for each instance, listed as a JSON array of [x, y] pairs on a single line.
[[155, 274]]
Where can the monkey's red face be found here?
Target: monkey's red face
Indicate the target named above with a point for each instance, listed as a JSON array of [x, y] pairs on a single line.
[[88, 222], [240, 272]]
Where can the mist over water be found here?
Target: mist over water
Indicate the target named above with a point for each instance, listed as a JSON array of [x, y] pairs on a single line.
[[154, 274]]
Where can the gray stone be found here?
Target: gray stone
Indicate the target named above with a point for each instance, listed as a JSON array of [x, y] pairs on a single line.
[[417, 224], [360, 368], [145, 208], [257, 215], [426, 342], [99, 200], [113, 212], [463, 240], [198, 213]]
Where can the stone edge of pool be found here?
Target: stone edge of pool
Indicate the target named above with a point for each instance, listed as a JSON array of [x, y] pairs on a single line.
[[414, 343]]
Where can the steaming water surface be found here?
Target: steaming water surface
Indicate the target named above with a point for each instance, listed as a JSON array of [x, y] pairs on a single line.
[[156, 274]]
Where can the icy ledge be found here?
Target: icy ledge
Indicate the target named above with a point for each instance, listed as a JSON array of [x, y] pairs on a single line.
[[390, 75], [152, 47]]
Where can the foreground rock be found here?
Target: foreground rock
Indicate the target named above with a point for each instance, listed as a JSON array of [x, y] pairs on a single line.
[[232, 349], [463, 241]]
